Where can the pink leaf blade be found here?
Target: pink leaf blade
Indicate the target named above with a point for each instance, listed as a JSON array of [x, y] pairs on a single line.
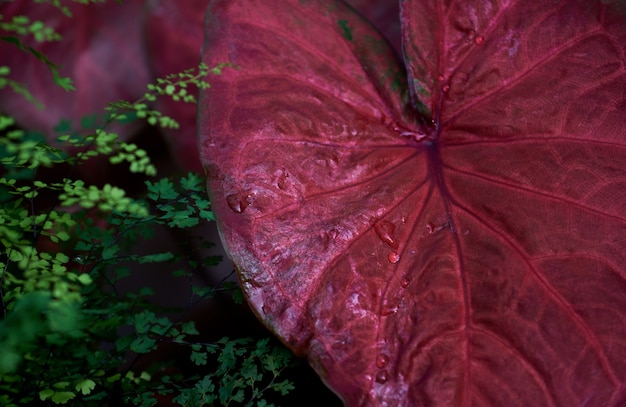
[[530, 120], [476, 263], [340, 131]]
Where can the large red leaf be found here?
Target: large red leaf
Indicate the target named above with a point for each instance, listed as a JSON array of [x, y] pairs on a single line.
[[102, 51], [473, 255]]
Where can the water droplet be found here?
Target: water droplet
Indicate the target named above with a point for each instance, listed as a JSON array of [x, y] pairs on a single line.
[[382, 360], [382, 377], [387, 310], [440, 77], [416, 136], [332, 161], [239, 202], [445, 88], [479, 40], [430, 227], [404, 283], [393, 257], [384, 230], [283, 180]]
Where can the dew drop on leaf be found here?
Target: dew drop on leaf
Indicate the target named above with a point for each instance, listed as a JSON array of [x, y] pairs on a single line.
[[479, 40], [238, 202], [446, 88], [333, 233], [283, 180], [384, 230], [393, 257], [387, 310], [382, 360], [382, 377], [404, 283]]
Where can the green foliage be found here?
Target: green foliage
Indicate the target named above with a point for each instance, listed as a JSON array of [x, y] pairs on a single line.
[[246, 371], [61, 310], [22, 25], [17, 87], [174, 86], [68, 333], [44, 34]]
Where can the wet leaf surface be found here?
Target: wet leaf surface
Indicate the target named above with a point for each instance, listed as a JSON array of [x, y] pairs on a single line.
[[461, 246]]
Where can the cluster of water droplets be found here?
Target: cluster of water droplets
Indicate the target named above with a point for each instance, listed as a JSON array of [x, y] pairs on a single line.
[[385, 231], [240, 201], [476, 39], [381, 362]]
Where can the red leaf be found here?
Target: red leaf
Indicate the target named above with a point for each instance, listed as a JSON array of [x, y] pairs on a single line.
[[473, 255], [102, 51]]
